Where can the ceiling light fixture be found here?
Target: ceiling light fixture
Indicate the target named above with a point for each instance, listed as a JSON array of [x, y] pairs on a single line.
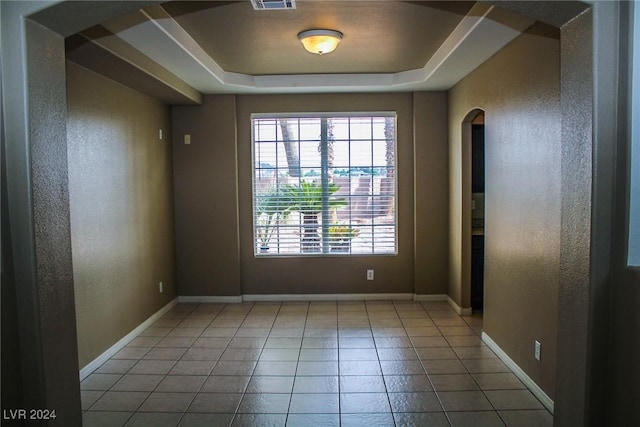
[[320, 41]]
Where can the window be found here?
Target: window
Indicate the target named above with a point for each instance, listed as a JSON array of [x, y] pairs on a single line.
[[324, 184]]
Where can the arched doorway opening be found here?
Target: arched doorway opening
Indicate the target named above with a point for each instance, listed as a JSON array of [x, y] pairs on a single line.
[[472, 213]]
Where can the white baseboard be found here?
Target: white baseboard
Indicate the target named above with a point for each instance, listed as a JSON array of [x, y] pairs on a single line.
[[209, 299], [325, 297], [98, 361], [292, 297], [518, 372], [433, 297], [460, 310], [444, 297]]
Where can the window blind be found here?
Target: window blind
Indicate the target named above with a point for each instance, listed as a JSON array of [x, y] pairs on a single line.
[[324, 184]]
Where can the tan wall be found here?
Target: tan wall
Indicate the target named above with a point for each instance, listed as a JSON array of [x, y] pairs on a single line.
[[121, 208], [519, 90], [205, 198], [333, 274], [431, 192]]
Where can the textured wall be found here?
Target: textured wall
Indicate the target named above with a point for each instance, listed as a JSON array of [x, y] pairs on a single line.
[[121, 208], [599, 345], [519, 90], [50, 212], [210, 208], [206, 201], [574, 298], [35, 200], [431, 192], [34, 109]]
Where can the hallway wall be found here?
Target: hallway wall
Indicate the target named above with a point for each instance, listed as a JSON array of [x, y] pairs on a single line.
[[120, 186], [519, 90]]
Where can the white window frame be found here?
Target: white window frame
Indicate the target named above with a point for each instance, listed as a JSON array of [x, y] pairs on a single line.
[[364, 242]]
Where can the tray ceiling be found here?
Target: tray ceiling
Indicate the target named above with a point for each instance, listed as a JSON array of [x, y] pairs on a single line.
[[229, 47]]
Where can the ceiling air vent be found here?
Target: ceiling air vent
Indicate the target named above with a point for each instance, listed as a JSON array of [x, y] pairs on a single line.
[[273, 4]]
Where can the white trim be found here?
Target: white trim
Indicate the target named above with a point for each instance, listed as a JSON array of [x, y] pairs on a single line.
[[444, 297], [434, 297], [326, 297], [528, 382], [209, 299], [98, 361], [460, 310], [306, 297]]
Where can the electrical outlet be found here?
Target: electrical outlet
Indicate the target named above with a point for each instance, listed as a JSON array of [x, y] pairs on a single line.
[[160, 286], [537, 349], [187, 139], [369, 274]]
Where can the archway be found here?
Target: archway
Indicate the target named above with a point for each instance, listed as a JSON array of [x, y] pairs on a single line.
[[463, 254]]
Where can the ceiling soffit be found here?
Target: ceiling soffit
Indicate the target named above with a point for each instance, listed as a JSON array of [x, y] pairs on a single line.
[[228, 47], [378, 37]]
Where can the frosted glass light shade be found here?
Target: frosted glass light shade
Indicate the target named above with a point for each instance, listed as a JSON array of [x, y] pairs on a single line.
[[320, 41]]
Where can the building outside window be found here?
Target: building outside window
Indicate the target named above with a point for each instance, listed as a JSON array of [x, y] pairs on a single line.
[[324, 184]]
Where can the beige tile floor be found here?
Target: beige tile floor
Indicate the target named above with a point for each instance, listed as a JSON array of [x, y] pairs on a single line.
[[355, 363]]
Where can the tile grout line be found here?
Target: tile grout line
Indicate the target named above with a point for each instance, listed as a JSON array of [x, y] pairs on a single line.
[[174, 365], [350, 321], [186, 411], [167, 374], [422, 363], [339, 379], [436, 393], [395, 309], [295, 373], [244, 393], [134, 412]]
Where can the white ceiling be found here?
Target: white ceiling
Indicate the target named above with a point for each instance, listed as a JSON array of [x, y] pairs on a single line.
[[228, 47]]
